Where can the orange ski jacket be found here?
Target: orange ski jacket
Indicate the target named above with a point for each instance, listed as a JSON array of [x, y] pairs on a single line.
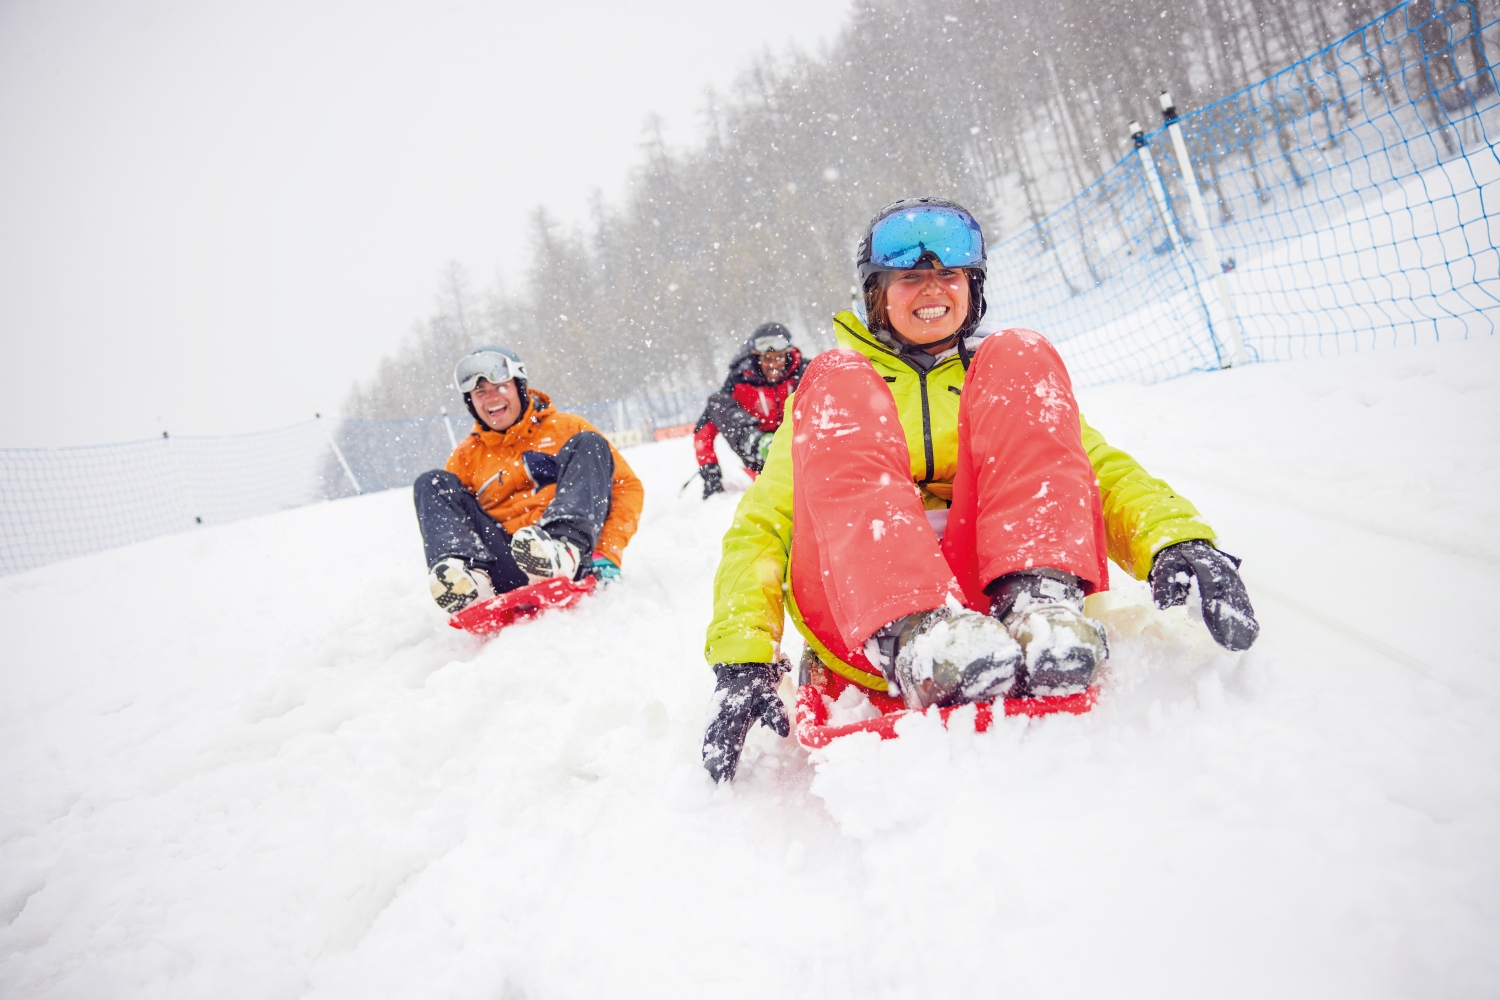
[[489, 464]]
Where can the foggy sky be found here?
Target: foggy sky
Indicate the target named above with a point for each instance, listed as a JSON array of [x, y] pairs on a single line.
[[215, 216]]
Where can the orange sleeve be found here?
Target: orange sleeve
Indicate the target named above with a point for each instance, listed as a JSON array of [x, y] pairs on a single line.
[[459, 463], [626, 499]]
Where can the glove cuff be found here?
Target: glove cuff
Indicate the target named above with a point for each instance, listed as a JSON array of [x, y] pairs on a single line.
[[769, 672], [1200, 548]]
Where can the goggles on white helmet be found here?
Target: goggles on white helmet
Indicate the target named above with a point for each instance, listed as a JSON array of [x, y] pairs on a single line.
[[769, 343], [492, 366]]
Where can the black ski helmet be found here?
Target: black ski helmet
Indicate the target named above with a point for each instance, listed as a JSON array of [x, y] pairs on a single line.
[[517, 372], [869, 270]]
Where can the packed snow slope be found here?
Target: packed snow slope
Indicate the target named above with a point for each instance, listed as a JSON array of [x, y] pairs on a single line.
[[253, 760]]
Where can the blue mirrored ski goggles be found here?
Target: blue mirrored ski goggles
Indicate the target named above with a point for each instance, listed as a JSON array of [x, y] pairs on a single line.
[[492, 366], [899, 240]]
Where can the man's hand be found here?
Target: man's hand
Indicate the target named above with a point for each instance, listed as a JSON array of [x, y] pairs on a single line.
[[763, 447], [1226, 605], [604, 569], [713, 479], [746, 692]]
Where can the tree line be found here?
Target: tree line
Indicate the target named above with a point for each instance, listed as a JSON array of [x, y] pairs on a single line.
[[1009, 108]]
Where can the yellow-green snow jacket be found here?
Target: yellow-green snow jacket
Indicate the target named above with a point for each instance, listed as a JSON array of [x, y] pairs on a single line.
[[752, 589]]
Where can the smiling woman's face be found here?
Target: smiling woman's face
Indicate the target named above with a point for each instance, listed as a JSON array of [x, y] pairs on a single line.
[[498, 405], [927, 306]]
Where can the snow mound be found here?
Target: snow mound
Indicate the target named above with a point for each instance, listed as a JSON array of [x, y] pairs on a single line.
[[253, 761]]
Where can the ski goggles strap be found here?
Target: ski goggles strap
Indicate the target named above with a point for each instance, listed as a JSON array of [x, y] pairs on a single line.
[[770, 343], [492, 366], [900, 239]]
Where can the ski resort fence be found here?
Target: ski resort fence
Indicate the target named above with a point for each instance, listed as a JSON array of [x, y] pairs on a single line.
[[1339, 205], [57, 503]]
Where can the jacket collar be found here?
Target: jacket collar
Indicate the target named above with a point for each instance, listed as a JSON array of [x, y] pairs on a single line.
[[853, 334], [539, 409]]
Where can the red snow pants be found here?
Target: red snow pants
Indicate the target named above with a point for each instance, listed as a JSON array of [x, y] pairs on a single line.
[[1024, 496]]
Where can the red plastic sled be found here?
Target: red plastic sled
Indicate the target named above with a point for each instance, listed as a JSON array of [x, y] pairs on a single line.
[[489, 617], [813, 730]]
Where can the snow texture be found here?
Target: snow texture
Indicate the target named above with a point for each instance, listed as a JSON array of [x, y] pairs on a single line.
[[253, 760]]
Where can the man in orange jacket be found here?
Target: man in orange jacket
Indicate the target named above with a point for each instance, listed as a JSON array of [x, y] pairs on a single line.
[[530, 494]]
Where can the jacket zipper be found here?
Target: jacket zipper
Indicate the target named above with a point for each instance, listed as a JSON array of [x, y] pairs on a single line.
[[926, 412], [926, 426]]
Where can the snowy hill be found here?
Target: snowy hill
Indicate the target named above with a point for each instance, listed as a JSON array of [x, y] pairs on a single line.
[[253, 761]]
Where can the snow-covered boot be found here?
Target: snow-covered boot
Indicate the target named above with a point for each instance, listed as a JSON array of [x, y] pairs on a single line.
[[455, 585], [542, 557], [1043, 611], [947, 656]]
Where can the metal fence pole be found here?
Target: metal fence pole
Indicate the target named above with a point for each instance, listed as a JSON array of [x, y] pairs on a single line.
[[1200, 214], [188, 502], [1153, 181], [340, 455]]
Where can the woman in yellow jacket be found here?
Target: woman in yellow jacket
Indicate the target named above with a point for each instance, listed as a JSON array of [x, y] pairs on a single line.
[[935, 509], [531, 493]]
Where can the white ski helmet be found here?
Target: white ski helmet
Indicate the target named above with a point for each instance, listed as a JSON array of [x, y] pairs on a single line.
[[494, 364]]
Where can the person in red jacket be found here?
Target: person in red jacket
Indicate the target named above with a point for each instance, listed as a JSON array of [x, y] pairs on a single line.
[[749, 407]]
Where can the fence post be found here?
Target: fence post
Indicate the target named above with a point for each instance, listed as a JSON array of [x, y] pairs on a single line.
[[1200, 214], [190, 502], [342, 461], [1153, 181], [452, 441]]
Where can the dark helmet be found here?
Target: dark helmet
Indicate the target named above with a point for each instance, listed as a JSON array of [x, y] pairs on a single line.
[[917, 233]]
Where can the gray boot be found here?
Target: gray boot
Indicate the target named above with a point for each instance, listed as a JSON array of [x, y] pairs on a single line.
[[1043, 610], [947, 656]]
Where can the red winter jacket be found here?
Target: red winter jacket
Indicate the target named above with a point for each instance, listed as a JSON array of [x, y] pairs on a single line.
[[757, 397]]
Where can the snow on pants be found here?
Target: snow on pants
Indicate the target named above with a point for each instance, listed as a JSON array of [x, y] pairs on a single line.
[[453, 523], [1024, 496]]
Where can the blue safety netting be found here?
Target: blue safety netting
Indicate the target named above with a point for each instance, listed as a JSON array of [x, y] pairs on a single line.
[[1345, 197]]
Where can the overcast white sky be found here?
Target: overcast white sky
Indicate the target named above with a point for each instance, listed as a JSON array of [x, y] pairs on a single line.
[[216, 215]]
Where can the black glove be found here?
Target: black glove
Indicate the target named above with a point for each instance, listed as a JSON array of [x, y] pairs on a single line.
[[713, 479], [745, 692], [1226, 605]]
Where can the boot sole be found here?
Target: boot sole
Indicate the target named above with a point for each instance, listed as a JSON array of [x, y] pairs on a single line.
[[533, 565], [995, 680], [1062, 675]]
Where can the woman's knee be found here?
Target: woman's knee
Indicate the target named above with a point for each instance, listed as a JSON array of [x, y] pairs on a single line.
[[839, 363], [1017, 349]]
